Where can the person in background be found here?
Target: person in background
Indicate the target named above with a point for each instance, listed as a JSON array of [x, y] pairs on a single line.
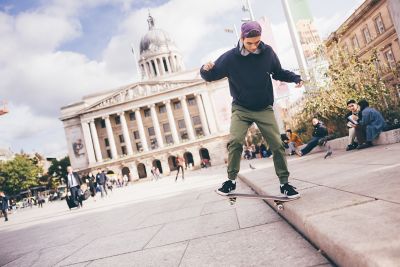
[[4, 205], [371, 120], [319, 132], [293, 142]]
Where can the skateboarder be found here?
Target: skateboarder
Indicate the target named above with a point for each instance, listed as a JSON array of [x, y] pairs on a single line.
[[249, 67]]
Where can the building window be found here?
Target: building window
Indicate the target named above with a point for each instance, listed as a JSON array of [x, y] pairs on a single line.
[[199, 131], [151, 131], [103, 123], [181, 124], [123, 149], [380, 28], [354, 40], [109, 153], [169, 139], [184, 135], [139, 146], [177, 105], [196, 120], [166, 127], [390, 58], [121, 138], [191, 101], [147, 113], [153, 143], [106, 142], [136, 135], [132, 116], [162, 109], [367, 36], [117, 120]]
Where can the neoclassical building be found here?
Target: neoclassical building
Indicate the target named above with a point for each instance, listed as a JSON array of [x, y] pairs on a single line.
[[169, 112]]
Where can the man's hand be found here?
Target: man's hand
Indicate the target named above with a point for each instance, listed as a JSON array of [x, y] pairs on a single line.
[[208, 66], [300, 84]]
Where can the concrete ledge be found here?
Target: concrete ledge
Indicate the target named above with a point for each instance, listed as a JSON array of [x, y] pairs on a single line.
[[385, 138], [349, 206]]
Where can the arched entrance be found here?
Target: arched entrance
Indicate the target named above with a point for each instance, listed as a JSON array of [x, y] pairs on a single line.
[[125, 171], [172, 163], [141, 170], [110, 172], [188, 159], [157, 164], [204, 153]]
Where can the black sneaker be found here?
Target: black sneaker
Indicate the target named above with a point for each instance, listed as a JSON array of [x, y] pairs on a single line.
[[226, 188], [365, 145], [289, 191]]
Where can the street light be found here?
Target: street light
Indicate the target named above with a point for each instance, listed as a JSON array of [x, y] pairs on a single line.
[[136, 62]]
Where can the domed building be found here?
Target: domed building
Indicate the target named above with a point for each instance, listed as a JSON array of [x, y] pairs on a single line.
[[148, 123]]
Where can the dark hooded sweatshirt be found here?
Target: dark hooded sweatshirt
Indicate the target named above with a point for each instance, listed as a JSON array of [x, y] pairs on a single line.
[[250, 76]]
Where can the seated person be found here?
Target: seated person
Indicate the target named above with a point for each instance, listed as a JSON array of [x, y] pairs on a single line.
[[351, 124], [319, 132], [371, 121], [293, 141]]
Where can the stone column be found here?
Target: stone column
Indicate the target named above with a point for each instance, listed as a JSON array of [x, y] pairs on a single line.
[[156, 125], [110, 136], [171, 121], [188, 119], [209, 112], [168, 65], [134, 172], [196, 157], [88, 142], [125, 133], [96, 143], [142, 134], [202, 114], [165, 166], [157, 69], [161, 66]]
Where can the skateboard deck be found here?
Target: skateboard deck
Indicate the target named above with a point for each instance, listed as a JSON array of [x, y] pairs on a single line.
[[279, 201]]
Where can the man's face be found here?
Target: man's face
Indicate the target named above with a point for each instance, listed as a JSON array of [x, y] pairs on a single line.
[[69, 169], [315, 121], [251, 43], [352, 107]]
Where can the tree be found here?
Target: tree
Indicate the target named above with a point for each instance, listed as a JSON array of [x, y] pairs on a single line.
[[348, 77], [58, 169], [19, 174]]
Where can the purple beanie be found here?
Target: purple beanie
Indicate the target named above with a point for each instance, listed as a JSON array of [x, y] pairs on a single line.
[[250, 26]]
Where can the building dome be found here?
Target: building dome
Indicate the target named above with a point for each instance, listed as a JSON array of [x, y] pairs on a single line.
[[158, 54], [156, 40]]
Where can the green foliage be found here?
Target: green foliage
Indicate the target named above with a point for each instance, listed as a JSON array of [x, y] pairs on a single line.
[[348, 77], [58, 170], [19, 174]]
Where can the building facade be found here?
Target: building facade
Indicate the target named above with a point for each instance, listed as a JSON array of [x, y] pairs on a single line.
[[368, 30], [170, 112]]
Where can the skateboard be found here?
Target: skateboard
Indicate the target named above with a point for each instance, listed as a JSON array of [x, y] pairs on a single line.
[[279, 201]]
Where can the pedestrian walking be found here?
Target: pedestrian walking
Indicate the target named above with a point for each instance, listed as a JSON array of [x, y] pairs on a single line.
[[180, 163], [4, 205], [74, 183], [249, 67], [101, 180]]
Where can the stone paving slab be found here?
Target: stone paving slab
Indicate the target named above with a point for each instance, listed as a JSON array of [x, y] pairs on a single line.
[[169, 255], [265, 245], [106, 246], [196, 227], [350, 209]]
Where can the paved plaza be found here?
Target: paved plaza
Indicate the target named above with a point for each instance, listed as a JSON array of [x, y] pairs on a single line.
[[159, 223]]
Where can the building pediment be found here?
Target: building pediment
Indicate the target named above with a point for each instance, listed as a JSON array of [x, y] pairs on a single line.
[[140, 90]]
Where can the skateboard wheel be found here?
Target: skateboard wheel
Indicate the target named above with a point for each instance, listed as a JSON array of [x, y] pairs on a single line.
[[280, 207]]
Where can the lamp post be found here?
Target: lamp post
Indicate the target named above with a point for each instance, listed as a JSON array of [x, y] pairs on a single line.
[[136, 62]]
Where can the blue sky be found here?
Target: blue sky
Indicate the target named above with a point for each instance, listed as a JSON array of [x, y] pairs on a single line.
[[54, 52]]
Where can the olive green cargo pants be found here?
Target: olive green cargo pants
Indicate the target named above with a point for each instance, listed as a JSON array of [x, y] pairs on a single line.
[[241, 120]]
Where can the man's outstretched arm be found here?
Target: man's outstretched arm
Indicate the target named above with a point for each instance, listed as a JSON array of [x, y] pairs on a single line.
[[285, 75], [214, 71]]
